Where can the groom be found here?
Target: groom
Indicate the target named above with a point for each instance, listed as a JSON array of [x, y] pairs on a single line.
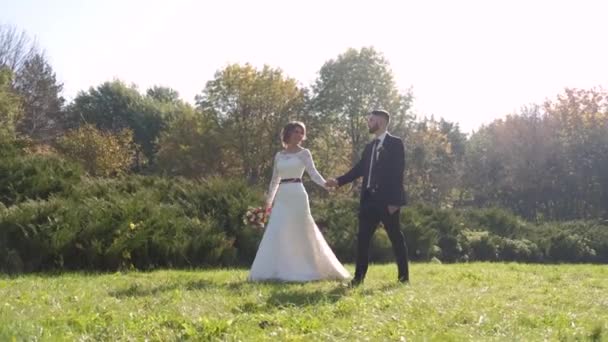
[[382, 165]]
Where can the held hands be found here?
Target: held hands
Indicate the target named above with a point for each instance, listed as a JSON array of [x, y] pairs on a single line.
[[331, 183]]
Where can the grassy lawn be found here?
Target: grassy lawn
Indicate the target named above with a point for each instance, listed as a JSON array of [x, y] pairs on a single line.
[[461, 302]]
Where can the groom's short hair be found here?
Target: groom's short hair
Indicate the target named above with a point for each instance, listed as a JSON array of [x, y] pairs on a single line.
[[382, 113]]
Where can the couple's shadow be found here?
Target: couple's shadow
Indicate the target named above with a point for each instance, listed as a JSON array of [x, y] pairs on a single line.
[[294, 294], [281, 294], [137, 290]]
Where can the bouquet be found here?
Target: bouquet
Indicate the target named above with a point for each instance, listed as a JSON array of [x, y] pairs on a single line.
[[256, 217]]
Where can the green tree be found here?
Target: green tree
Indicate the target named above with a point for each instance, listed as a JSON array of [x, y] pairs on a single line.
[[191, 147], [578, 119], [546, 162], [352, 85], [250, 107], [434, 161], [163, 94], [100, 153], [42, 104], [508, 163], [16, 47], [10, 107], [114, 106]]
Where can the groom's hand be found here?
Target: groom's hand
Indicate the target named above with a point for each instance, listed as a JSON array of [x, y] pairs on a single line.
[[392, 209], [331, 183]]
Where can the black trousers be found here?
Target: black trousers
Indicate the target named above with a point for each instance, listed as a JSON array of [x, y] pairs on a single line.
[[371, 213]]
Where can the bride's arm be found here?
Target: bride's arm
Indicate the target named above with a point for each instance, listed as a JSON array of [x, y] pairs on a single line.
[[274, 183], [309, 164]]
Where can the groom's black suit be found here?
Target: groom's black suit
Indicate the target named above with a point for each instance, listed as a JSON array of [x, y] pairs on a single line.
[[385, 188]]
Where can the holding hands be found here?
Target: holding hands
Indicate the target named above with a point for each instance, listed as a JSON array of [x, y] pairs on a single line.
[[331, 184]]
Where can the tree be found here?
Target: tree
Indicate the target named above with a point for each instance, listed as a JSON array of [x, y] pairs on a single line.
[[15, 48], [163, 94], [100, 153], [10, 107], [114, 106], [508, 163], [352, 85], [250, 107], [579, 120], [546, 162], [434, 160], [191, 147], [39, 90]]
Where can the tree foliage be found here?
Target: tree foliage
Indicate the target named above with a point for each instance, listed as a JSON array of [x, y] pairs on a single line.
[[100, 153], [250, 107]]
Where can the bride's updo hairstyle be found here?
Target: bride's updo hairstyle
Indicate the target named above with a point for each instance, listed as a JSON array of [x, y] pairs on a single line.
[[289, 128]]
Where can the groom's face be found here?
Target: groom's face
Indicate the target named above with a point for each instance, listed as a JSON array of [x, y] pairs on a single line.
[[373, 123]]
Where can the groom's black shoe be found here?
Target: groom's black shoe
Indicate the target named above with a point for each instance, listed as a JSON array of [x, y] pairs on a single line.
[[355, 282], [404, 280]]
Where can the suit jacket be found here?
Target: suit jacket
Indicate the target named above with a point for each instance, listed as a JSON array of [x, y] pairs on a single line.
[[388, 170]]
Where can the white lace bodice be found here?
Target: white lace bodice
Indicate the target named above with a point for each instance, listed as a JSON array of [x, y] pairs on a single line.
[[292, 165]]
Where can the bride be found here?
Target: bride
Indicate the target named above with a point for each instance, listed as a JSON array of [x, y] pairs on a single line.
[[292, 248]]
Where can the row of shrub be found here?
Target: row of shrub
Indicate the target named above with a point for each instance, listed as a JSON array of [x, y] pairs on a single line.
[[53, 217], [136, 222], [468, 235]]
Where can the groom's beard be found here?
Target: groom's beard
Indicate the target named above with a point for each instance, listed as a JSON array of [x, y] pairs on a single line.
[[374, 129]]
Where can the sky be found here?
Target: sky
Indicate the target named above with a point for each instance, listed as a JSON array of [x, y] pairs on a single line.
[[467, 61]]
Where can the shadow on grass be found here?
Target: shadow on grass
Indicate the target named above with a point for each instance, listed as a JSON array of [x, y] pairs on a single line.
[[136, 290], [286, 297], [384, 288], [281, 294]]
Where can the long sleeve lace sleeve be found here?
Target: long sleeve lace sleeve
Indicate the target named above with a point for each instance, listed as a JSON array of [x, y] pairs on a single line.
[[274, 183], [309, 164]]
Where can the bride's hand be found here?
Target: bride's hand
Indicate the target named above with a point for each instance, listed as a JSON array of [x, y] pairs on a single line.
[[331, 183]]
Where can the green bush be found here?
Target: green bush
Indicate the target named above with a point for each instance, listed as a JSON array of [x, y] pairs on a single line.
[[482, 246], [570, 248], [25, 177], [225, 201], [337, 220], [431, 232], [519, 250], [26, 232], [421, 240], [381, 248], [494, 220], [108, 234], [141, 222], [51, 217], [571, 241]]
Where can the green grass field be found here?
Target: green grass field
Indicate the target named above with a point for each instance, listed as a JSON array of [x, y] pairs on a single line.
[[460, 302]]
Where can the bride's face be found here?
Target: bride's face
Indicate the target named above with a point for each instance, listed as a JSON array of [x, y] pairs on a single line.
[[296, 136]]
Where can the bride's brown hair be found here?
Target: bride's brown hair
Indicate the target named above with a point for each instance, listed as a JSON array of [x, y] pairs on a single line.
[[289, 128]]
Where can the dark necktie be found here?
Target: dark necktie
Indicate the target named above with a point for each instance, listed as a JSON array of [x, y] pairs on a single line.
[[372, 162]]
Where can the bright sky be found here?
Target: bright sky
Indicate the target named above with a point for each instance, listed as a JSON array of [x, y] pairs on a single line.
[[467, 61]]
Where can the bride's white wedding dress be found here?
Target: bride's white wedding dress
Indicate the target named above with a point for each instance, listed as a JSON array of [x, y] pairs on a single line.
[[293, 248]]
